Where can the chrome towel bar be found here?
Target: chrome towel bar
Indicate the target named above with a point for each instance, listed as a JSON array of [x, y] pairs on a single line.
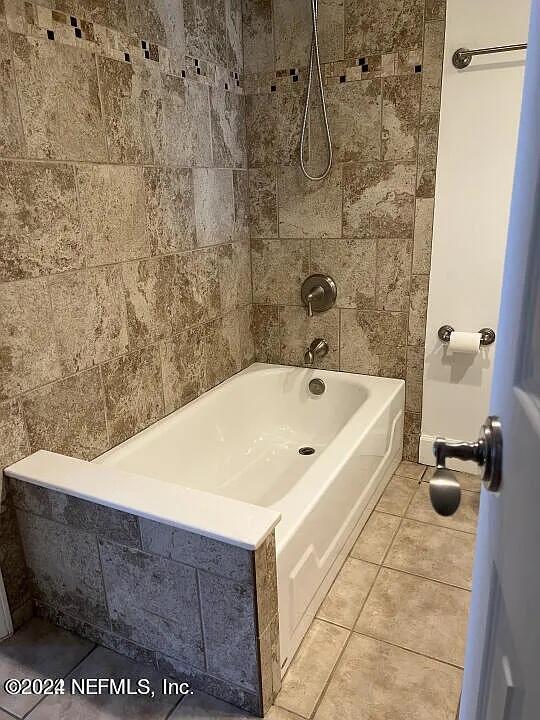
[[462, 58]]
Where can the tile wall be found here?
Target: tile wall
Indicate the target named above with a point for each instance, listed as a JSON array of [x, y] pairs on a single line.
[[369, 223], [124, 239], [190, 606]]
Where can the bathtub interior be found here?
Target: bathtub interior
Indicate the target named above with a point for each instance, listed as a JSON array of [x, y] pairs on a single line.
[[242, 440]]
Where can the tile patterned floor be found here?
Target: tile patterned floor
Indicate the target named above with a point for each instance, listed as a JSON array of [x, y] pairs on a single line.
[[388, 641]]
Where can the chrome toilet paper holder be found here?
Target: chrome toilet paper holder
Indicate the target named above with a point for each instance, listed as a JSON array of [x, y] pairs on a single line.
[[487, 335]]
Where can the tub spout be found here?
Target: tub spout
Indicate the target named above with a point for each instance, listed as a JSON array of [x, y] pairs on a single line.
[[317, 349]]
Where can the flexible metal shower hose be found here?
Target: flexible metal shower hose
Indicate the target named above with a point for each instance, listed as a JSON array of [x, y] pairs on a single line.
[[314, 55]]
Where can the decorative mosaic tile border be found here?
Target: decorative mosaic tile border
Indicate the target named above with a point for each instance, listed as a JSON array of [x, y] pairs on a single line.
[[367, 67], [33, 20]]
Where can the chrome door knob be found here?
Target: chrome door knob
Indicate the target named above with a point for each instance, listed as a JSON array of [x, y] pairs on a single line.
[[444, 489]]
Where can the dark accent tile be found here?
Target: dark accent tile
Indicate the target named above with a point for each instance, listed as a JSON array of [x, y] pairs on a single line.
[[147, 54], [365, 67], [73, 21], [229, 618], [342, 78], [201, 552], [273, 88], [104, 521], [78, 33], [143, 44], [65, 572], [126, 57], [153, 602], [417, 68], [50, 34], [295, 78]]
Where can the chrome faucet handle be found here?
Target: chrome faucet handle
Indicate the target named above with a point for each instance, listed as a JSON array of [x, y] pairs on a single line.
[[318, 293]]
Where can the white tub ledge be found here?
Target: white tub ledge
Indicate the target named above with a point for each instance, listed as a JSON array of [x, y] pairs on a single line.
[[220, 518]]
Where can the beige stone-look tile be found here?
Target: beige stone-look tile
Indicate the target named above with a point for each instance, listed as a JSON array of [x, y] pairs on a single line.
[[297, 331], [400, 117], [262, 129], [247, 342], [414, 380], [145, 114], [468, 481], [214, 205], [289, 119], [158, 21], [68, 417], [11, 134], [397, 495], [378, 200], [170, 209], [354, 113], [374, 26], [198, 116], [233, 26], [183, 360], [258, 36], [241, 205], [425, 180], [308, 209], [279, 268], [435, 10], [393, 274], [331, 20], [234, 271], [39, 222], [133, 393], [411, 446], [263, 212], [59, 100], [375, 538], [205, 30], [28, 358], [376, 681], [223, 333], [423, 231], [292, 33], [148, 288], [266, 333], [412, 470], [112, 211], [89, 316], [37, 650], [346, 597], [465, 518], [372, 342], [428, 137], [13, 438], [352, 264], [433, 552], [311, 667], [111, 13], [196, 292], [418, 309], [227, 114], [417, 614]]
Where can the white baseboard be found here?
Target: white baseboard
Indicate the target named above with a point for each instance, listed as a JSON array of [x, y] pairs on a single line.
[[426, 457]]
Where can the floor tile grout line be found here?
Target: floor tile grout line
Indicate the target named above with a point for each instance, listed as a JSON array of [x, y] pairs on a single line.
[[408, 649], [426, 522], [426, 577]]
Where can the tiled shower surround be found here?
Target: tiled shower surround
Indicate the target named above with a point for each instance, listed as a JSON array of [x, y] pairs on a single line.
[[369, 223], [195, 608], [125, 286]]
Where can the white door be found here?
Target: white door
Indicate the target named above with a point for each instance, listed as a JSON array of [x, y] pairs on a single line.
[[502, 664], [6, 628]]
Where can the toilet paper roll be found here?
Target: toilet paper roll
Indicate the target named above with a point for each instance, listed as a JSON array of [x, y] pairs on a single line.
[[464, 342]]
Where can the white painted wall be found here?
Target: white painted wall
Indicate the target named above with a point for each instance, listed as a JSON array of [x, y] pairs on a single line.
[[480, 110]]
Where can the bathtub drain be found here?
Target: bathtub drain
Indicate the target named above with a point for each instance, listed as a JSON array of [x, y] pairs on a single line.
[[306, 451]]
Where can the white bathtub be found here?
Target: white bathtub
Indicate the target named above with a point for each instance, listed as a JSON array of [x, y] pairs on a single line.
[[227, 466], [241, 441]]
